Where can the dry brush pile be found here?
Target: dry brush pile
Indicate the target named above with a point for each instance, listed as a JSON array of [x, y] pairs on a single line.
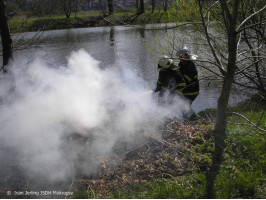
[[166, 157]]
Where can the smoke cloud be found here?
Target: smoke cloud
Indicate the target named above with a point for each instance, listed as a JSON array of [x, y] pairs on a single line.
[[43, 108]]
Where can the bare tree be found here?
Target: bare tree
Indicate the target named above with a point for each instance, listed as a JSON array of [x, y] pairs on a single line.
[[5, 36], [228, 61], [67, 7], [252, 68]]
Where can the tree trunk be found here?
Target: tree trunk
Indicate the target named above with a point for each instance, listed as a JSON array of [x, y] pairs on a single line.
[[219, 136], [230, 20], [67, 6], [142, 10], [76, 8], [110, 7], [5, 36], [221, 117], [153, 5], [165, 5]]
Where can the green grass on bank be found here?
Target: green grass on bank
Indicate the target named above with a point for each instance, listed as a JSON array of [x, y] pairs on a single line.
[[187, 187], [242, 173]]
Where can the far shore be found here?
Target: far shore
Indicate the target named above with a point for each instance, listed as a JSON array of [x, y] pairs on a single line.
[[17, 25]]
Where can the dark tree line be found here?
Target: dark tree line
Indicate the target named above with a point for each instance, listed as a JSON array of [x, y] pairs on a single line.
[[67, 7]]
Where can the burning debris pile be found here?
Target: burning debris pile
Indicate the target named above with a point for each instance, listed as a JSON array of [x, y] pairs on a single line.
[[165, 157]]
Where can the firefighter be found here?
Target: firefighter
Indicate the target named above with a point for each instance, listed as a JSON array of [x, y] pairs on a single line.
[[170, 78], [189, 73]]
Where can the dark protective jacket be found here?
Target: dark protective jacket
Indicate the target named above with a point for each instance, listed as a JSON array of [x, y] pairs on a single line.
[[190, 74], [170, 80]]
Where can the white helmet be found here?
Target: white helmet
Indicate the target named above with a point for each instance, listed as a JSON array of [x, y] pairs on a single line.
[[183, 53], [165, 63]]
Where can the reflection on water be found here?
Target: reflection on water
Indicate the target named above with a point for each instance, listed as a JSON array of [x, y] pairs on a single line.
[[112, 36], [117, 47], [142, 31]]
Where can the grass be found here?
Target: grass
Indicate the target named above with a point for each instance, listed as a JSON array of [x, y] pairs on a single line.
[[242, 174], [189, 186]]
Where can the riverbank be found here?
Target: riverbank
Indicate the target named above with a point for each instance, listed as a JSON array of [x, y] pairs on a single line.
[[93, 20], [175, 165]]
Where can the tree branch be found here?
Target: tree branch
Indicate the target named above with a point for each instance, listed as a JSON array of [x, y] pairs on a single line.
[[250, 26], [242, 70], [248, 18], [209, 41], [226, 14]]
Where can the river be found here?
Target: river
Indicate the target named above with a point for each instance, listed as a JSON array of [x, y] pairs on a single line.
[[118, 46]]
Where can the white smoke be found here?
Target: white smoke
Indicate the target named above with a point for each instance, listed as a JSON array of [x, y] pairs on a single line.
[[40, 106]]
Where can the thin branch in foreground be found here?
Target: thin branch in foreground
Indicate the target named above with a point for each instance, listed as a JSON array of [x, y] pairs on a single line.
[[248, 18], [250, 122], [244, 69], [210, 8], [207, 35], [250, 26]]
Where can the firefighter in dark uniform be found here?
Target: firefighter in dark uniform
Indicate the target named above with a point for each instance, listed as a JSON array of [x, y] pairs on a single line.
[[170, 78], [189, 73]]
